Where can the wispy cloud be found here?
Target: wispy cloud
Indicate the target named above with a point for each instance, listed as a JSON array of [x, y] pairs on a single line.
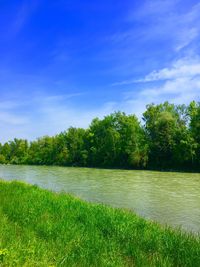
[[8, 113], [150, 53], [46, 115], [21, 17], [12, 119], [168, 21], [62, 97], [182, 68], [156, 33], [172, 29], [179, 83], [50, 114]]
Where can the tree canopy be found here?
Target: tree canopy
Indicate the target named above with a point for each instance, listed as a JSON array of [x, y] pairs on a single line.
[[167, 138]]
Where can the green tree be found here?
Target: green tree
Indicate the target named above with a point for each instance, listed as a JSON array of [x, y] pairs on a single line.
[[2, 159], [117, 141], [194, 127], [75, 140], [166, 128], [42, 151]]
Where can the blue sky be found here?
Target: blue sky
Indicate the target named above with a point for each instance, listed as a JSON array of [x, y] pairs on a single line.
[[62, 63]]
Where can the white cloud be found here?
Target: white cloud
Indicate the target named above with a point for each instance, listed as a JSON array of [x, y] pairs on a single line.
[[186, 36], [178, 84], [157, 32], [183, 68], [165, 22]]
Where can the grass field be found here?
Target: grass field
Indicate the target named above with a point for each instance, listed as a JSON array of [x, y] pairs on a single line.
[[41, 228]]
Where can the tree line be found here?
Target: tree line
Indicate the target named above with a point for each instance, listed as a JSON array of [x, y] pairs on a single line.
[[167, 138]]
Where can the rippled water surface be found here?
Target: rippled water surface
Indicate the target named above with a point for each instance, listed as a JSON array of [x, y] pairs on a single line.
[[172, 198]]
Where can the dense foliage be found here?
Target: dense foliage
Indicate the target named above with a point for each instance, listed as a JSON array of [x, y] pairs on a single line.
[[41, 228], [168, 138]]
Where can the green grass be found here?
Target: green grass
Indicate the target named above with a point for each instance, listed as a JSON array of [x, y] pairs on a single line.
[[41, 228]]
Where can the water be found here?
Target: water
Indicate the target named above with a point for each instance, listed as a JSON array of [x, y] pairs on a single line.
[[168, 198]]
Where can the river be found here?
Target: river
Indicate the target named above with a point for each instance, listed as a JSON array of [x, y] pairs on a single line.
[[171, 198]]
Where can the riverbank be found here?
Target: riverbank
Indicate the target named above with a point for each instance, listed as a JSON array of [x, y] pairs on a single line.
[[41, 228], [180, 170]]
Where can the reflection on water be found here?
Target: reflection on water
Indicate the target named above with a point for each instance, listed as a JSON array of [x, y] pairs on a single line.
[[172, 198]]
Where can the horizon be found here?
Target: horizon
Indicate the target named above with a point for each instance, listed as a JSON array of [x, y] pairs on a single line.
[[63, 64]]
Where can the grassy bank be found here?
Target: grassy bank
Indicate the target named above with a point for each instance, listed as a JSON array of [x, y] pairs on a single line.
[[41, 228]]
